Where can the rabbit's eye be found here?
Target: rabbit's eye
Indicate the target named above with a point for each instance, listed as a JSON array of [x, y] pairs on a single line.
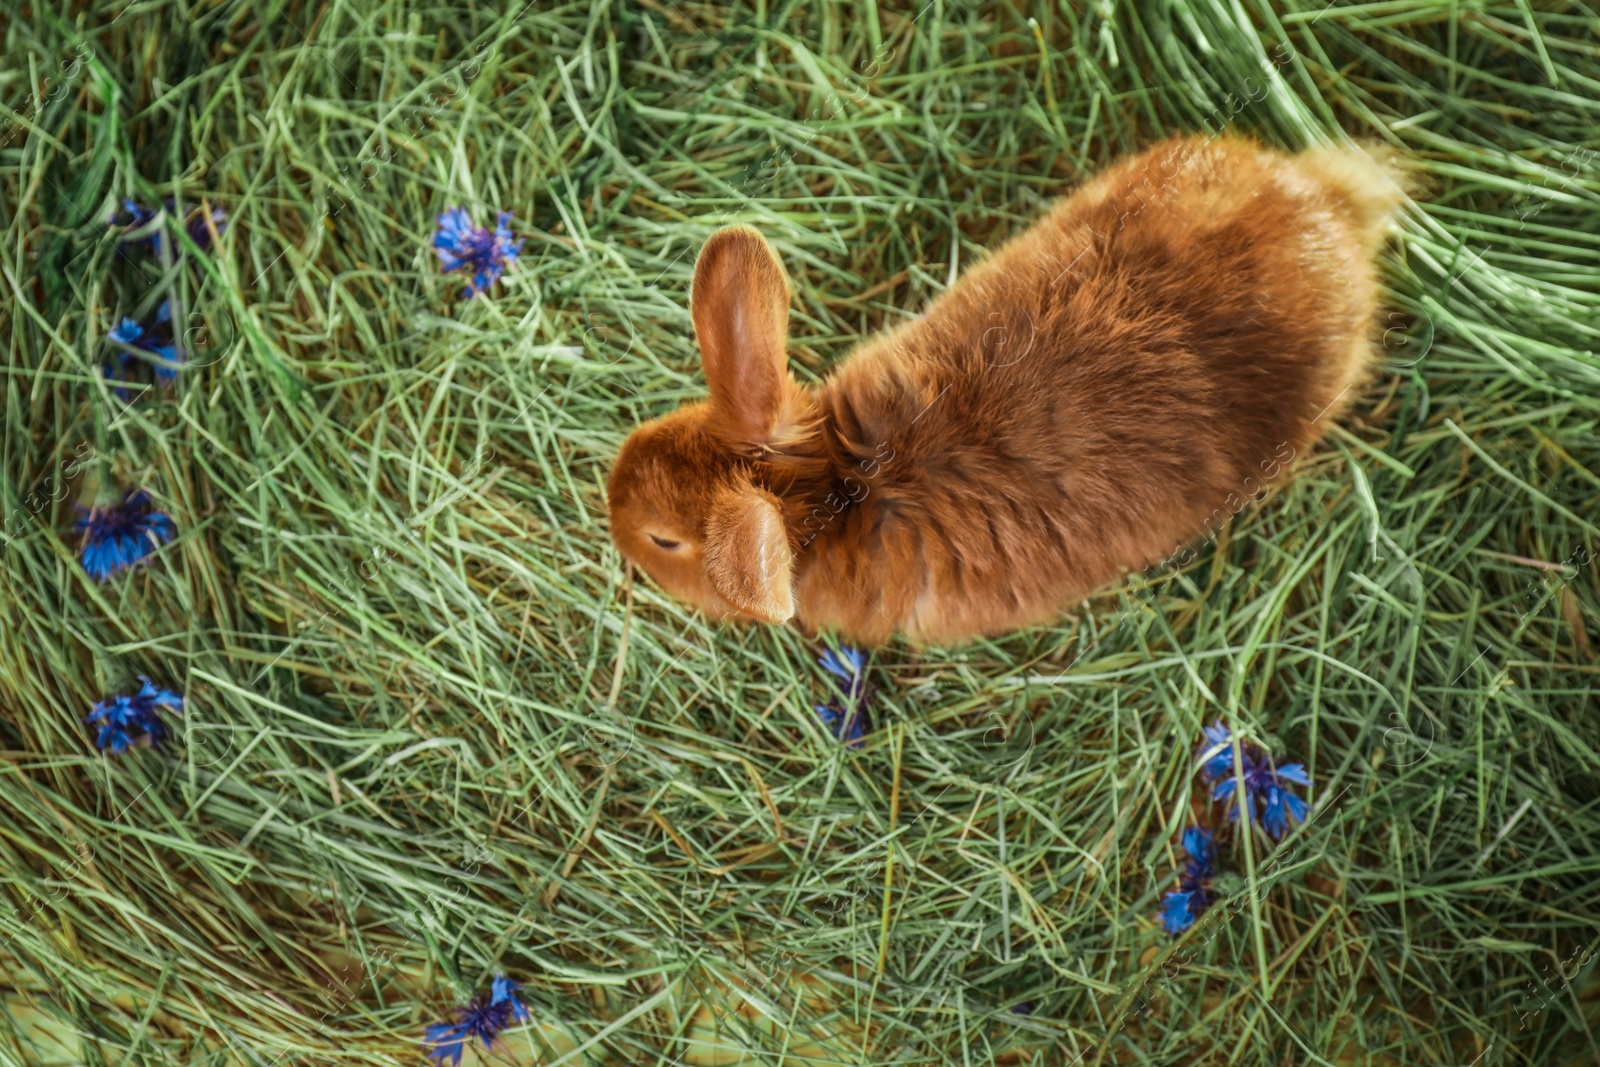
[[662, 542]]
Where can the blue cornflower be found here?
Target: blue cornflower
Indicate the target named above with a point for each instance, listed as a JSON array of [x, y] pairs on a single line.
[[1216, 756], [118, 535], [195, 225], [138, 217], [123, 716], [849, 665], [504, 991], [148, 339], [483, 1018], [1182, 906], [847, 720], [1263, 782], [462, 245]]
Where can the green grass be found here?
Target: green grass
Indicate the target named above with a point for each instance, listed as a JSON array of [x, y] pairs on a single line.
[[408, 646]]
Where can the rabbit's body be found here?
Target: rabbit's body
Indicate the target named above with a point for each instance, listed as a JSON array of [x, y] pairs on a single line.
[[1107, 387]]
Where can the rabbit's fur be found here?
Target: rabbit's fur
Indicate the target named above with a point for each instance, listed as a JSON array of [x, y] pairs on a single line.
[[1103, 389]]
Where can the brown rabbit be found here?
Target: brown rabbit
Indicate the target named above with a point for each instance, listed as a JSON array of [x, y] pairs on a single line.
[[1105, 388]]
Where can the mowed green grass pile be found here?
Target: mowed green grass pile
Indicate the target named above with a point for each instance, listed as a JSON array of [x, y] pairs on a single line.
[[433, 732]]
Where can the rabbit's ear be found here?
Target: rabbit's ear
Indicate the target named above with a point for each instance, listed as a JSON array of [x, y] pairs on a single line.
[[747, 553], [740, 306]]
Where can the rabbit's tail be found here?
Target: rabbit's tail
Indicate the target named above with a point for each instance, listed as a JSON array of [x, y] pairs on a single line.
[[1370, 179]]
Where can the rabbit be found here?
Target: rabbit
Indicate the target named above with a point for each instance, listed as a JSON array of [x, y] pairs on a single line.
[[1103, 389]]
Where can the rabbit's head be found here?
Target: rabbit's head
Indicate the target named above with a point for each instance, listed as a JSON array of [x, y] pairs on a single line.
[[690, 503]]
